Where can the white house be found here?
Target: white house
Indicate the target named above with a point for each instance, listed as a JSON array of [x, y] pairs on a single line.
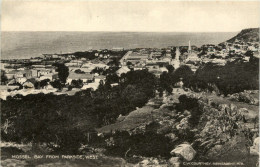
[[122, 70], [84, 77], [21, 80], [50, 76], [100, 78], [28, 84]]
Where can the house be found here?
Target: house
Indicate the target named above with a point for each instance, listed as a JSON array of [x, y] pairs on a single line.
[[193, 57], [99, 78], [122, 70], [220, 62], [47, 56], [28, 85], [35, 73], [134, 57], [38, 66], [19, 74], [36, 60], [138, 68], [32, 80], [49, 87], [155, 55], [87, 70], [84, 77], [156, 72], [4, 88], [5, 91], [50, 76], [164, 69], [72, 64], [99, 66], [21, 80], [44, 72], [51, 56], [93, 86], [117, 49], [152, 65], [114, 84]]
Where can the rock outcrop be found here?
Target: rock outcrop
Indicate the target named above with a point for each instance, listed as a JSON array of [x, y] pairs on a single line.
[[254, 150], [247, 35], [151, 162], [185, 151], [175, 161], [248, 96]]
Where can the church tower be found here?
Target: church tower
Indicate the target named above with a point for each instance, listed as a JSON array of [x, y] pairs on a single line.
[[189, 49], [176, 62]]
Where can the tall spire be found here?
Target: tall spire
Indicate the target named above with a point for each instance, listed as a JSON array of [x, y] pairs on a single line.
[[176, 63], [189, 50]]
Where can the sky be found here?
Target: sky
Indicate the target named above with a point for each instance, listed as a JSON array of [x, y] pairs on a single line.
[[140, 16]]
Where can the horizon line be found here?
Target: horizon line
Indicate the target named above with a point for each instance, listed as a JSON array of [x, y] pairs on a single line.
[[127, 31]]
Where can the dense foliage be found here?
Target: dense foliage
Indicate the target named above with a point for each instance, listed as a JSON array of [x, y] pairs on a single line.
[[3, 77], [63, 120], [148, 144], [63, 71], [234, 77]]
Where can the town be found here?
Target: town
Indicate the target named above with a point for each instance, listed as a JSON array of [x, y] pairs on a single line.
[[72, 72], [131, 84]]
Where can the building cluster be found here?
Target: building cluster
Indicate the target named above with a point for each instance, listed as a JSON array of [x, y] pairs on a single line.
[[83, 70], [21, 77], [219, 55], [22, 74], [154, 60]]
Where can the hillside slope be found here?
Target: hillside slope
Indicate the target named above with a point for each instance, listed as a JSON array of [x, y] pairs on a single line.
[[247, 35]]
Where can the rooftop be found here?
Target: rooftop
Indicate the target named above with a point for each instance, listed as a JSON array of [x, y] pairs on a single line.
[[73, 75]]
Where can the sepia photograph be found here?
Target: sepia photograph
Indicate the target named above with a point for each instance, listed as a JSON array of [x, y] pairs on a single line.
[[163, 83]]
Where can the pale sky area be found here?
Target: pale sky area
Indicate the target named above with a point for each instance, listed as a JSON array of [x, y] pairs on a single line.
[[156, 16]]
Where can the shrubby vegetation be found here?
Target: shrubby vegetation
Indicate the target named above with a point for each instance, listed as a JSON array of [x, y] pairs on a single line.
[[63, 71], [190, 104], [3, 77], [64, 120], [234, 77], [41, 84], [149, 144]]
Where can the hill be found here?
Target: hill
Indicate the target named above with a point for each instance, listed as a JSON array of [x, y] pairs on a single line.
[[247, 35]]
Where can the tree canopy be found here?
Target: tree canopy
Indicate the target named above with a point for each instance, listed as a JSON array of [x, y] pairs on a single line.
[[63, 72]]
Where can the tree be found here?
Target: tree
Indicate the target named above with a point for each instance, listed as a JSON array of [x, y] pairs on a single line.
[[63, 120], [232, 78], [129, 63], [112, 78], [63, 72], [165, 82], [3, 77], [56, 84], [77, 83], [183, 72], [249, 53], [163, 52], [100, 71], [134, 96], [41, 84], [78, 71], [44, 82], [170, 68]]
